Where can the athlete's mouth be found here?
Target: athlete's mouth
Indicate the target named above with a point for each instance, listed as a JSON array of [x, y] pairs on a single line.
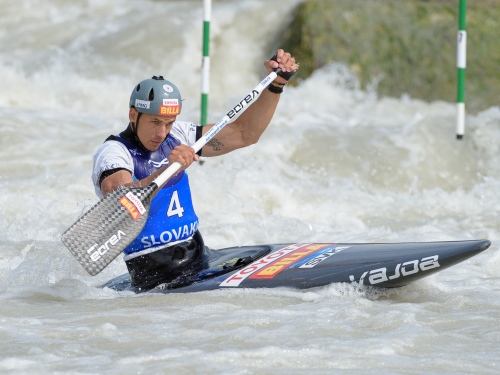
[[155, 143]]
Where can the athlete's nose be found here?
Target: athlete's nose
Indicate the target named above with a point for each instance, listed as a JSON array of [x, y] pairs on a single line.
[[163, 131]]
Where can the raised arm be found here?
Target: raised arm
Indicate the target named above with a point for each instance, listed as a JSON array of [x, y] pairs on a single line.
[[247, 129]]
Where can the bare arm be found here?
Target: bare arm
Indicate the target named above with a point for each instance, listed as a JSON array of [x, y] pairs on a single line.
[[248, 128], [182, 154]]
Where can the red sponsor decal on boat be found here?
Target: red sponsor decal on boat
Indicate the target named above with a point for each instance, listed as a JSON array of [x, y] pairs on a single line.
[[278, 266], [272, 264], [238, 277]]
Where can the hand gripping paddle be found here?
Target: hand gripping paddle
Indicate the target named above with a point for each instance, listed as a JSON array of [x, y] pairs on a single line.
[[104, 231]]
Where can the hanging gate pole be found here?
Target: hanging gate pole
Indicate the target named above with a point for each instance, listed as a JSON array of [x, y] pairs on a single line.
[[461, 63], [205, 65]]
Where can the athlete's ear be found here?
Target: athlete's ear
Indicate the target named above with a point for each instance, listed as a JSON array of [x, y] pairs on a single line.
[[132, 114]]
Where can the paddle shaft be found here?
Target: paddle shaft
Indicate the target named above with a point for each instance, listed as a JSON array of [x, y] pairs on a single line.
[[232, 115]]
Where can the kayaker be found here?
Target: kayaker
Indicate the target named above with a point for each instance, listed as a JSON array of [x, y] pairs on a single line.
[[170, 244]]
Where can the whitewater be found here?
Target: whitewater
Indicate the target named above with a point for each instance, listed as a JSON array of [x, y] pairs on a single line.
[[338, 164]]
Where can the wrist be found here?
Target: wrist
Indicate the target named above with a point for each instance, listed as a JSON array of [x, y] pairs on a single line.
[[278, 84], [276, 87]]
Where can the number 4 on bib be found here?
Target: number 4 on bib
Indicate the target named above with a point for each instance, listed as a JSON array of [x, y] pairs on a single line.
[[174, 207]]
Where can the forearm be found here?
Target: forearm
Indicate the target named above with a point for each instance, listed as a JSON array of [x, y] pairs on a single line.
[[182, 154], [123, 179], [247, 129], [254, 121]]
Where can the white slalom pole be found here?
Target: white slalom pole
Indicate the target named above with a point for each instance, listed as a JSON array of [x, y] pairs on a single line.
[[205, 65], [461, 63]]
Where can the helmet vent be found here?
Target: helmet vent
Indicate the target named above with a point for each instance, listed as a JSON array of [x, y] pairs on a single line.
[[138, 88], [151, 94]]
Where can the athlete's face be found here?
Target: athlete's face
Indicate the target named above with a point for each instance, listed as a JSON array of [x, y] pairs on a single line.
[[152, 129]]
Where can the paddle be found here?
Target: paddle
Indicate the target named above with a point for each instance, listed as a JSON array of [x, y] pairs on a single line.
[[104, 231]]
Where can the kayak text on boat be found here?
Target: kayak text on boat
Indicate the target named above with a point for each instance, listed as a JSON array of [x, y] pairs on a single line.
[[380, 275]]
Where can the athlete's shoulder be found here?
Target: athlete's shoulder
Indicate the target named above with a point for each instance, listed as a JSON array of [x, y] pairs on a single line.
[[185, 132], [186, 125], [112, 155], [112, 146]]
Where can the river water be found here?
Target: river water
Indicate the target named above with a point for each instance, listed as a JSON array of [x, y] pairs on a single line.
[[338, 164]]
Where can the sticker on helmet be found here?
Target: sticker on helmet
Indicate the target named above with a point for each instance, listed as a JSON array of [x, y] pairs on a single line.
[[170, 102], [169, 110], [142, 104], [168, 88]]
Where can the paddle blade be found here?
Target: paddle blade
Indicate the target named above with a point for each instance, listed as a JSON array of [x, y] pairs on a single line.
[[103, 232]]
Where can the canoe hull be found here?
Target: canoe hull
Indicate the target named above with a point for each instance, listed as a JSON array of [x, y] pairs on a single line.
[[301, 266]]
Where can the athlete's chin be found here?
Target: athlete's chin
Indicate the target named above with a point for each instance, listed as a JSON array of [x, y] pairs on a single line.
[[153, 146]]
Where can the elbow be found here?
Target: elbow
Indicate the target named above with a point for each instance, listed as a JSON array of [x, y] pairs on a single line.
[[249, 141]]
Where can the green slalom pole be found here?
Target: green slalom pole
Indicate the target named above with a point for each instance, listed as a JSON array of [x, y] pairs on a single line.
[[205, 65], [461, 63]]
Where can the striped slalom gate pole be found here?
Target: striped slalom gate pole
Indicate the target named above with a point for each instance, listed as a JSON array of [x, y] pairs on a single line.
[[205, 65], [461, 63]]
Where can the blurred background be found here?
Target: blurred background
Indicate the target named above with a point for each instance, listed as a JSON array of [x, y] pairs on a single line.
[[362, 148]]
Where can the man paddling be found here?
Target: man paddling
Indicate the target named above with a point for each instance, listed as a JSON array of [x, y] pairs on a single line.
[[170, 244]]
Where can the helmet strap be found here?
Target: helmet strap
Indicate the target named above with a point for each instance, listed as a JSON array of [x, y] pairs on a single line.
[[133, 127]]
